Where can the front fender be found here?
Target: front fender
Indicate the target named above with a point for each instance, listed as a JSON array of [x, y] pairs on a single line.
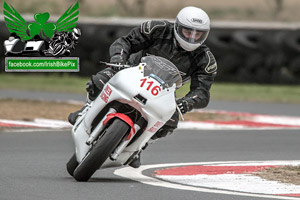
[[124, 118]]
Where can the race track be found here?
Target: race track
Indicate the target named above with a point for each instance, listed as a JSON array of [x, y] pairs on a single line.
[[33, 163]]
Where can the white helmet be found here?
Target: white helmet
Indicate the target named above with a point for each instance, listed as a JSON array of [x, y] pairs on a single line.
[[76, 33], [191, 27]]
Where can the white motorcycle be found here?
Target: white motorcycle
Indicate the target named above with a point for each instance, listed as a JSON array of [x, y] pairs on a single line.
[[133, 106]]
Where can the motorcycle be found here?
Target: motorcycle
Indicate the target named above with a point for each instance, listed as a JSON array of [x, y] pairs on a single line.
[[134, 104]]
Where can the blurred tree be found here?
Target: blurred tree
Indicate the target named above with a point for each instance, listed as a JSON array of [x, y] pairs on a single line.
[[141, 7], [278, 7], [124, 6]]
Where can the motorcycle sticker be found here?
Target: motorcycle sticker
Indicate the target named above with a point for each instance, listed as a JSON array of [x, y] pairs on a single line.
[[155, 127], [105, 94]]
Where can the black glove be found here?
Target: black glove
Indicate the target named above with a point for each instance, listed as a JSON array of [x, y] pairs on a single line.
[[117, 59], [184, 105]]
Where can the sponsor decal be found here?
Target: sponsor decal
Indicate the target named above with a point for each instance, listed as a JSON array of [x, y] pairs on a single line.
[[155, 127], [105, 94]]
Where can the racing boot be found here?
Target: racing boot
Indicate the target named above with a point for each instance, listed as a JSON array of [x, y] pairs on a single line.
[[74, 115], [136, 162]]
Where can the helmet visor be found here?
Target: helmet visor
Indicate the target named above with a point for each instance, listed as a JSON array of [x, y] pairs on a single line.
[[191, 35]]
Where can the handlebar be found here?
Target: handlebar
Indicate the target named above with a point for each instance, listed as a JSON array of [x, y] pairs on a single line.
[[119, 66]]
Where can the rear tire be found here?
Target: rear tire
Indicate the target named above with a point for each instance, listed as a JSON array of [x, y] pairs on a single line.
[[101, 151]]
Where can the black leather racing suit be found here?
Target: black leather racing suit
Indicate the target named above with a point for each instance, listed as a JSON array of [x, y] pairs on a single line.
[[157, 38]]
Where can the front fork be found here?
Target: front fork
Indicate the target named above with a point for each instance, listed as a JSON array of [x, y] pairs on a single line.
[[123, 144], [99, 128], [140, 124]]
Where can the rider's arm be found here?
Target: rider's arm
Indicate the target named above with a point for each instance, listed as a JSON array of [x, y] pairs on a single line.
[[137, 39], [201, 81]]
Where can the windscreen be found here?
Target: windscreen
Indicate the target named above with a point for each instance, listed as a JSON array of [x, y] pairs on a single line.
[[162, 70]]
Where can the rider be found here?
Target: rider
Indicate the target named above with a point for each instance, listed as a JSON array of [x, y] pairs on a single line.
[[62, 43], [182, 43]]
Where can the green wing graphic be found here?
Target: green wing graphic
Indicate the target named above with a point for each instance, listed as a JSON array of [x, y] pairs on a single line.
[[15, 22], [69, 19]]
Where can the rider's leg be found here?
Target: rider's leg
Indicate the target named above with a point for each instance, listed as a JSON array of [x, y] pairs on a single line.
[[167, 129], [94, 88]]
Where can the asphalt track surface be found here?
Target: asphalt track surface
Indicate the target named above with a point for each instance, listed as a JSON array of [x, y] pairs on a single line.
[[33, 163]]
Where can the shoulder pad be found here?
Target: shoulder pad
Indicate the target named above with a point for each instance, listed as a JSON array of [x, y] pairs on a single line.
[[211, 66], [149, 26]]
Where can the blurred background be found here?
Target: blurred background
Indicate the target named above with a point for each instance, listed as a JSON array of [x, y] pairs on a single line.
[[261, 10], [255, 41]]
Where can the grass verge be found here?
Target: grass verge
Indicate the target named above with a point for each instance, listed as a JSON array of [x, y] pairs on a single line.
[[58, 82], [252, 92], [285, 174], [219, 91]]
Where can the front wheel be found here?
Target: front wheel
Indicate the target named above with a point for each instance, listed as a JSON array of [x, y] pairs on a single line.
[[101, 151], [72, 164]]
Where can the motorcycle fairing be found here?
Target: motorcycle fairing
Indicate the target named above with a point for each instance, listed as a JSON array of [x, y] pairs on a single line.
[[123, 87]]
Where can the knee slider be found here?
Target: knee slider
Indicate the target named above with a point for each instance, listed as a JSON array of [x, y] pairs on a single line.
[[102, 77], [163, 132], [89, 87], [92, 90]]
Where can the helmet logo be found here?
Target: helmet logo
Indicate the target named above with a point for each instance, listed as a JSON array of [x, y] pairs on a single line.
[[197, 20]]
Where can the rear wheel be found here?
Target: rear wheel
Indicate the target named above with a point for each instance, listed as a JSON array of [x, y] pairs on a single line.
[[101, 151]]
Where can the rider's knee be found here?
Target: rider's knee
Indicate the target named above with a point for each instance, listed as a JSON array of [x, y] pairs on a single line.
[[168, 128], [97, 82], [163, 132]]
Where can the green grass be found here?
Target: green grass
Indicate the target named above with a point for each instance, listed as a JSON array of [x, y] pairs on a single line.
[[257, 92], [252, 92], [219, 91], [53, 82]]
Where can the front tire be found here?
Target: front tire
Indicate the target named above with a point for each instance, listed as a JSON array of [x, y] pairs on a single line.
[[101, 151], [72, 164]]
